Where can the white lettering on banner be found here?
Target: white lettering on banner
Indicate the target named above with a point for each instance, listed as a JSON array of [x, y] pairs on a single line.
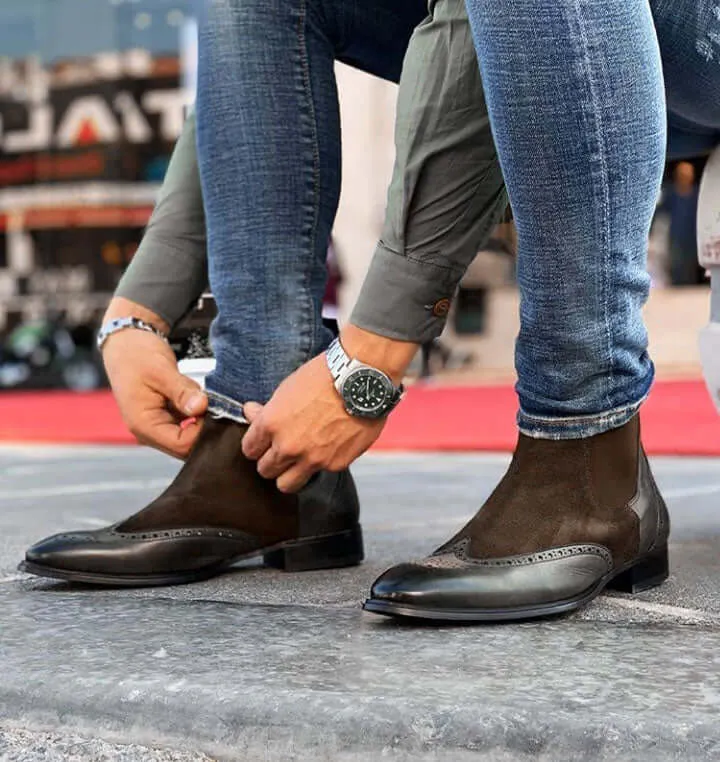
[[88, 120], [135, 124], [38, 134], [171, 105]]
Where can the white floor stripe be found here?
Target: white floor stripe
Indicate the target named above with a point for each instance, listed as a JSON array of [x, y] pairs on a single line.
[[456, 521], [14, 578], [83, 489], [87, 521], [705, 489], [662, 609]]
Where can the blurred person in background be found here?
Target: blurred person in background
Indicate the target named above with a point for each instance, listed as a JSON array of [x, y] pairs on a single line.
[[680, 203]]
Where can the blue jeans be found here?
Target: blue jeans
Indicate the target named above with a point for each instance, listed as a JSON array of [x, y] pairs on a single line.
[[269, 155], [576, 97], [577, 105], [689, 34]]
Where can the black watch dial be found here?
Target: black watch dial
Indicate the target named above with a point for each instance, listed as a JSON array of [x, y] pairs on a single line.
[[368, 393]]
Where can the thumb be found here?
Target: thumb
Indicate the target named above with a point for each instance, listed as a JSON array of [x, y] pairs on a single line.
[[185, 394]]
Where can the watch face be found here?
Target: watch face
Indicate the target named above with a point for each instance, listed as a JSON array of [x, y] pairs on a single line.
[[368, 393]]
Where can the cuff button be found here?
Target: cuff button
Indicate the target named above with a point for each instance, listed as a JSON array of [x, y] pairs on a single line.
[[440, 309]]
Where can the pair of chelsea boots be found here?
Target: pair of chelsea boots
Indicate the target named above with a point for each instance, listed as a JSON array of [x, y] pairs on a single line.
[[569, 519]]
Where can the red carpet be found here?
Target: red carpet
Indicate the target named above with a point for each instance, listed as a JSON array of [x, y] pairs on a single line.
[[678, 419]]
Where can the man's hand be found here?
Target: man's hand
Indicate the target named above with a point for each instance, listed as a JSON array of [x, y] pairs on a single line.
[[153, 396], [305, 427]]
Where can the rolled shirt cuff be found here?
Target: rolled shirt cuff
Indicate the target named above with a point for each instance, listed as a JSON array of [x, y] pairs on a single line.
[[405, 298]]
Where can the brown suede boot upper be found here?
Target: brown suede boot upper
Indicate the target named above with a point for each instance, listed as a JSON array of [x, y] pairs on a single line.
[[559, 493], [219, 487]]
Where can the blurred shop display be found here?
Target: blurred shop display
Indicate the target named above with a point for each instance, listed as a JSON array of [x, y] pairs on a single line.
[[92, 100], [191, 337], [191, 341], [49, 355], [493, 267]]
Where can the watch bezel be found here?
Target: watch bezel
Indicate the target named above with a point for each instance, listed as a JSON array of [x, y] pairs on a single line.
[[363, 412]]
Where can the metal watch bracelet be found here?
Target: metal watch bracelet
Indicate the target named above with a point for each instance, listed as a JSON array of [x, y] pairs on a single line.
[[120, 324]]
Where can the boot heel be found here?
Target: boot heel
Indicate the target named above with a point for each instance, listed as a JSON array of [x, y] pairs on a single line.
[[328, 552], [648, 572]]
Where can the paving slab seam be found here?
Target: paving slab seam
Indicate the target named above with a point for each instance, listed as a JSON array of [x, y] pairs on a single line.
[[87, 488], [192, 602], [669, 616]]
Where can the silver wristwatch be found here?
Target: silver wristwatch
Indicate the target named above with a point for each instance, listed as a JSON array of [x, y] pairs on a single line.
[[366, 391], [120, 324]]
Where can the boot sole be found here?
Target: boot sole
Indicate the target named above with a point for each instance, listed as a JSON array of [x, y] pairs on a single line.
[[642, 574], [332, 551]]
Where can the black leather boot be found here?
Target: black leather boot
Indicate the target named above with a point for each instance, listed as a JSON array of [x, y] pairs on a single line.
[[569, 519], [217, 511]]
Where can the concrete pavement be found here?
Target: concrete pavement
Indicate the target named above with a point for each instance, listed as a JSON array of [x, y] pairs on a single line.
[[261, 665]]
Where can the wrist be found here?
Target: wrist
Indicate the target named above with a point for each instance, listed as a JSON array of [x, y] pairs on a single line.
[[388, 355], [120, 308]]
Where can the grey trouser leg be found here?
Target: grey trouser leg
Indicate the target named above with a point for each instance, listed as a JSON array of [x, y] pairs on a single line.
[[447, 191]]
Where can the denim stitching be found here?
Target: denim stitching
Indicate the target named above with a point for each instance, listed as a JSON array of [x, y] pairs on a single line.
[[563, 420], [595, 118], [306, 89]]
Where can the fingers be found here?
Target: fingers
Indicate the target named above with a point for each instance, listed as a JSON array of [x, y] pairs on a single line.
[[258, 439], [295, 478], [273, 463], [162, 431], [176, 441]]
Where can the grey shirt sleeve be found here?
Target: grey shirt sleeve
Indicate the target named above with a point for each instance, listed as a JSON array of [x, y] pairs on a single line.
[[447, 192], [169, 270]]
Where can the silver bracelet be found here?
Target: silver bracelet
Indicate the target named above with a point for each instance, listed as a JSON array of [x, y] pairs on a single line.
[[120, 324]]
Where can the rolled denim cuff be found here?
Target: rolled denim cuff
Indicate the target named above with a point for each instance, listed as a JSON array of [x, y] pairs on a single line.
[[405, 298], [220, 406], [576, 427]]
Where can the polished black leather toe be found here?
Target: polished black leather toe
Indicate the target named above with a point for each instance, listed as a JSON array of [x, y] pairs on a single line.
[[137, 558], [449, 584]]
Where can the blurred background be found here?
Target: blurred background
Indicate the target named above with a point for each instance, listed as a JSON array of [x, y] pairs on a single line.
[[93, 95]]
